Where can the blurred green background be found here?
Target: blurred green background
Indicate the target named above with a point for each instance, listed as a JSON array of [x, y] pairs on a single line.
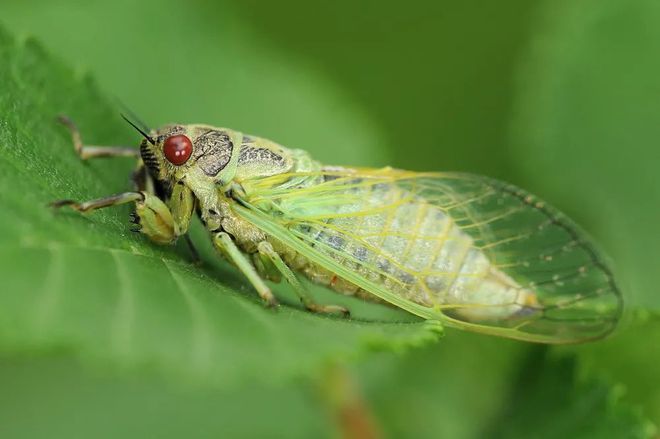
[[558, 96]]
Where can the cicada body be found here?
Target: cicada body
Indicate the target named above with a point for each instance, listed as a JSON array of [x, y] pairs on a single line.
[[468, 251]]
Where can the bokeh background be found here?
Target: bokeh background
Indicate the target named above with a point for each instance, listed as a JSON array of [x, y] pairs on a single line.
[[561, 97]]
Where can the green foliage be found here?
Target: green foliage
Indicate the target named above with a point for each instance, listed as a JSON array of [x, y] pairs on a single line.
[[629, 358], [555, 96], [57, 398], [550, 401], [497, 390], [453, 389]]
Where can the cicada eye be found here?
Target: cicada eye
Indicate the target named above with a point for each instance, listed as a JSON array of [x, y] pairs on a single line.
[[177, 149]]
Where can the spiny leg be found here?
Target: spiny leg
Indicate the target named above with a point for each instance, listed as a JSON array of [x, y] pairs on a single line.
[[112, 200], [267, 251], [92, 151], [223, 242]]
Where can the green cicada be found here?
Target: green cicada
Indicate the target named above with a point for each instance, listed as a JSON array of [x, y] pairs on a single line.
[[465, 250]]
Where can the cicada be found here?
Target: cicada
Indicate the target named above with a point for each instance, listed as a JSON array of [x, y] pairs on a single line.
[[467, 251]]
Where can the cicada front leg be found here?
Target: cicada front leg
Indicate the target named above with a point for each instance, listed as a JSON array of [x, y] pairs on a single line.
[[267, 252], [152, 216], [92, 151]]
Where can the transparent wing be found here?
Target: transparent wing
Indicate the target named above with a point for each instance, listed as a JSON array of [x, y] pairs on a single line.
[[476, 253]]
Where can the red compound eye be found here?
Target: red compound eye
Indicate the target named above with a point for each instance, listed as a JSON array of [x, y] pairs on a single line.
[[177, 149]]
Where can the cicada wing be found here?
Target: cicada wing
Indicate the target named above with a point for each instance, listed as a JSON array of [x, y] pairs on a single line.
[[474, 252]]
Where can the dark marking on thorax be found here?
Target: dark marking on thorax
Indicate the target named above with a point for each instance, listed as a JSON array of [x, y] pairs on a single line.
[[213, 151], [252, 154]]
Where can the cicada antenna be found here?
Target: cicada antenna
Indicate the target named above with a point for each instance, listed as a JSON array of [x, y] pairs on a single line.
[[139, 130], [134, 120]]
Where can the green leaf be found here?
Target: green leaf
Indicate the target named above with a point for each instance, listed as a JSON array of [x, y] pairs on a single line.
[[552, 402], [56, 398], [448, 390], [88, 285], [630, 357], [475, 386]]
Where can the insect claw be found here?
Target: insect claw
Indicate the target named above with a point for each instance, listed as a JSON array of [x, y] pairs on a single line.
[[61, 203], [65, 120], [271, 302], [136, 229], [134, 218]]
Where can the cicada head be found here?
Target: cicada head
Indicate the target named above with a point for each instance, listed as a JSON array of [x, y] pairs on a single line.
[[175, 152]]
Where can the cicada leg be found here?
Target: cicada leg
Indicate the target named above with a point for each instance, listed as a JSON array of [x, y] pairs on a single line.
[[266, 250], [152, 216], [142, 181], [223, 242], [99, 203], [92, 151]]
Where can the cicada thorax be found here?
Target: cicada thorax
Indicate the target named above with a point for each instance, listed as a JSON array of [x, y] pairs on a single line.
[[406, 244]]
